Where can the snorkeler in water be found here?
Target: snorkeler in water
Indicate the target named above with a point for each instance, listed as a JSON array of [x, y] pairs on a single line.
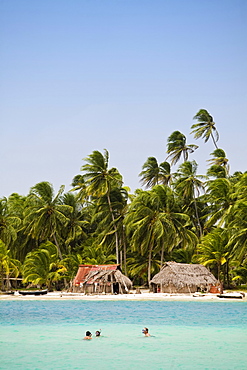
[[145, 332], [88, 335], [97, 333]]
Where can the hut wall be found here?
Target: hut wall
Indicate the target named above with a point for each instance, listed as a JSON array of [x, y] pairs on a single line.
[[173, 290]]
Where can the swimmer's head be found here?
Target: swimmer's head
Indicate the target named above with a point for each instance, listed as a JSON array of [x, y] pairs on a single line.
[[97, 333], [88, 334]]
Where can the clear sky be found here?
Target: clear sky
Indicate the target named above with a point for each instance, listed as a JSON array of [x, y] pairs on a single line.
[[84, 75]]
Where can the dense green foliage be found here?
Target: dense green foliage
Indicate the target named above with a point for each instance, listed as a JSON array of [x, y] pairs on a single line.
[[181, 216]]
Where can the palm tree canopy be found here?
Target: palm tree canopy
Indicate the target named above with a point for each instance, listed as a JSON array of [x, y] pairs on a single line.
[[150, 172], [187, 181], [219, 158], [176, 147], [205, 127], [98, 178]]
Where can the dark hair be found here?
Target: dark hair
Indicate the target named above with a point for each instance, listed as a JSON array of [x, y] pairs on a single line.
[[97, 333], [88, 333]]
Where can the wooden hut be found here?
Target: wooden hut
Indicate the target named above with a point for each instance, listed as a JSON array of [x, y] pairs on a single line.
[[101, 279], [182, 278]]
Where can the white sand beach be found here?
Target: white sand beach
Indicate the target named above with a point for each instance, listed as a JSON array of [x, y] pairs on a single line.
[[118, 297]]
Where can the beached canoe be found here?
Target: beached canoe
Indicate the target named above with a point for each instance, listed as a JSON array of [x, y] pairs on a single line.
[[33, 292], [231, 295]]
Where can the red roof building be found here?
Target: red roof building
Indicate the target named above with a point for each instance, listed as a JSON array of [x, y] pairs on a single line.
[[101, 279]]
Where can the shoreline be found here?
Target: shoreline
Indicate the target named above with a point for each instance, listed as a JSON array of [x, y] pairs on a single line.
[[58, 296]]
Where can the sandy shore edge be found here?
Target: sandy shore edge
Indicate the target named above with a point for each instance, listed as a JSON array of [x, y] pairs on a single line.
[[119, 297]]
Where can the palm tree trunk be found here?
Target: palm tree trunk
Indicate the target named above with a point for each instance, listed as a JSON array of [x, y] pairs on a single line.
[[125, 251], [115, 228], [197, 216], [58, 248], [212, 136], [162, 256], [149, 265]]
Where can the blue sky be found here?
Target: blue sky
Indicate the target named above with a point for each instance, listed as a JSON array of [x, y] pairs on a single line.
[[84, 75]]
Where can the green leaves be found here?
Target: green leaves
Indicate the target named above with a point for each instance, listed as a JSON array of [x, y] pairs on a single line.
[[205, 127], [177, 147]]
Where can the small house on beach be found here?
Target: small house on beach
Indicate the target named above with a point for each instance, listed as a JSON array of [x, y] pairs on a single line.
[[182, 278], [101, 279]]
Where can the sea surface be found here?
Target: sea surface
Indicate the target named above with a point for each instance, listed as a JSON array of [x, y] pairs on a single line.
[[37, 335]]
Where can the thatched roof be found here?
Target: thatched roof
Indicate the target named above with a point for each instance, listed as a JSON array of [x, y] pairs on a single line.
[[90, 274], [182, 275]]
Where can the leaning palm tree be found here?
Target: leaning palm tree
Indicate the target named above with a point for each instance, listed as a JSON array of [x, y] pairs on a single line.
[[154, 221], [150, 173], [43, 267], [205, 127], [45, 214], [219, 159], [153, 174], [214, 250], [9, 223], [165, 175], [100, 181], [8, 265], [221, 198], [177, 147], [188, 184]]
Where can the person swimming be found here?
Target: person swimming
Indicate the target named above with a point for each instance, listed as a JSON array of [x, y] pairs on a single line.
[[97, 333], [145, 332], [88, 335]]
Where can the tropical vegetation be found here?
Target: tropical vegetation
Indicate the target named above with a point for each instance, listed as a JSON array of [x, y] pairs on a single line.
[[178, 215]]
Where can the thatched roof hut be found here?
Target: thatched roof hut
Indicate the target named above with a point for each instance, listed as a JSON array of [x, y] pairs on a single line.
[[182, 278], [101, 279]]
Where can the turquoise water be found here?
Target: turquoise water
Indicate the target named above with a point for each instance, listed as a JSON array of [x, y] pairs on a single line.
[[185, 335]]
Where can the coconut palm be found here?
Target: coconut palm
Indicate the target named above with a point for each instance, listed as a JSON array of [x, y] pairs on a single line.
[[177, 147], [76, 228], [45, 214], [220, 159], [100, 181], [166, 177], [153, 221], [8, 265], [205, 127], [188, 184], [9, 223], [238, 225], [150, 173], [220, 197], [153, 174], [214, 250], [216, 171], [43, 267]]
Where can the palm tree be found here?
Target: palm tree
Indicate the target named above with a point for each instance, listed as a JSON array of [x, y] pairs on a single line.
[[76, 228], [238, 225], [216, 171], [220, 159], [166, 177], [220, 197], [150, 173], [79, 185], [153, 221], [153, 174], [45, 214], [177, 147], [9, 223], [213, 250], [205, 127], [8, 265], [188, 184], [42, 266], [100, 181]]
